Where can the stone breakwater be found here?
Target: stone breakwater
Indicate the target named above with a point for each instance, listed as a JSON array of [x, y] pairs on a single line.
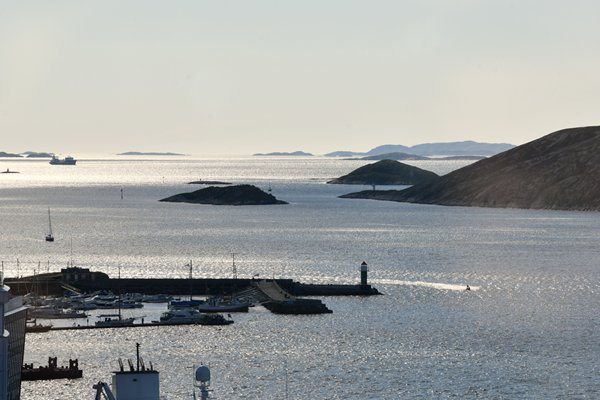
[[87, 281]]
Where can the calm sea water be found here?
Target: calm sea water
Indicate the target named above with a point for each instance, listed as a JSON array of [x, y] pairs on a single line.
[[528, 329]]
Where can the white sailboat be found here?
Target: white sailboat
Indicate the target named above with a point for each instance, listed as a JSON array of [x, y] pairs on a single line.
[[49, 236]]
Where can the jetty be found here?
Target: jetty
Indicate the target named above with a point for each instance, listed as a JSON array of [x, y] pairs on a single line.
[[82, 280]]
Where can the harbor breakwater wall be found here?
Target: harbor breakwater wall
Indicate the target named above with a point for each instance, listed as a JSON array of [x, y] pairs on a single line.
[[87, 281]]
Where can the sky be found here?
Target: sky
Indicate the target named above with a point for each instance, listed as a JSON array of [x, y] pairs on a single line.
[[246, 76]]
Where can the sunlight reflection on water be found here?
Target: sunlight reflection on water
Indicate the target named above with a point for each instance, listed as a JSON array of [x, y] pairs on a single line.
[[527, 329]]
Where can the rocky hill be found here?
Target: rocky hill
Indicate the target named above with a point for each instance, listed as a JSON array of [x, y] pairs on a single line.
[[238, 195], [386, 172], [558, 171]]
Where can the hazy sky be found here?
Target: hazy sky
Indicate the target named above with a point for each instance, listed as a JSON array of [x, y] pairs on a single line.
[[238, 77]]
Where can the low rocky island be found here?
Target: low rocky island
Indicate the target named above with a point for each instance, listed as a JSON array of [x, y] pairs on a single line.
[[411, 157], [284, 154], [237, 195], [201, 182], [33, 154], [9, 155], [558, 171], [398, 156], [151, 153], [386, 172]]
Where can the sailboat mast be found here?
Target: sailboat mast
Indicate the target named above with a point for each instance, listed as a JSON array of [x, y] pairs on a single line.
[[49, 222], [191, 281], [119, 291]]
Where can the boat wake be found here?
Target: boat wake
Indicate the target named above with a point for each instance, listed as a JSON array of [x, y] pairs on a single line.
[[433, 285]]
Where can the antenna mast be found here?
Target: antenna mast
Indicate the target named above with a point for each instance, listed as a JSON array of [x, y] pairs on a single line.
[[233, 266]]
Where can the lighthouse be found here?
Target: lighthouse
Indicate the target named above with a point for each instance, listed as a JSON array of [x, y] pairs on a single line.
[[364, 269]]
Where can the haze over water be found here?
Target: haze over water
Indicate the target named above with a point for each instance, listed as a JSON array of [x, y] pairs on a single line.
[[528, 329]]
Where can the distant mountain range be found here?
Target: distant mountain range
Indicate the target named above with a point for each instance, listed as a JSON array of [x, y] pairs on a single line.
[[409, 157], [466, 148]]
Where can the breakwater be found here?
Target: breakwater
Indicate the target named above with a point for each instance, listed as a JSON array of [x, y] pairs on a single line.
[[84, 280]]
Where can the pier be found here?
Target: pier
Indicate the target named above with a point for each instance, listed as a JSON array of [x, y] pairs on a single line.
[[84, 280]]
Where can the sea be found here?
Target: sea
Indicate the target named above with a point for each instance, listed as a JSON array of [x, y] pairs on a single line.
[[527, 329]]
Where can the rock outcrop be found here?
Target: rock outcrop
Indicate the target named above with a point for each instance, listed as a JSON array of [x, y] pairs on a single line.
[[238, 195], [386, 172], [559, 171]]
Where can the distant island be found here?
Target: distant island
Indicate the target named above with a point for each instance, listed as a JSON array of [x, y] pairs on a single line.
[[284, 154], [558, 171], [33, 154], [386, 172], [409, 157], [9, 155], [344, 154], [201, 182], [140, 153], [395, 156], [238, 195], [464, 148]]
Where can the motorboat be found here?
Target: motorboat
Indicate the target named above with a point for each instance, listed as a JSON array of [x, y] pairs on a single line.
[[129, 304], [156, 298], [218, 304], [113, 320], [83, 305], [65, 161], [55, 313], [192, 316], [184, 304], [33, 327]]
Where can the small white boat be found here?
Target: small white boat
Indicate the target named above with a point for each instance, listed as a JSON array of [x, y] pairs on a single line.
[[191, 316], [83, 305], [156, 298], [54, 313], [218, 304], [113, 320]]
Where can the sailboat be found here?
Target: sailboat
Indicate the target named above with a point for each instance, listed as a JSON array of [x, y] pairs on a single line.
[[115, 320], [49, 237]]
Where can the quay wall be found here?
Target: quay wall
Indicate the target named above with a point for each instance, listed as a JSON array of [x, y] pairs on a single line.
[[200, 286]]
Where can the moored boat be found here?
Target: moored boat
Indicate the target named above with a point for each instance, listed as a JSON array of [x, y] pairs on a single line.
[[191, 316], [113, 320], [218, 304], [55, 313], [33, 327]]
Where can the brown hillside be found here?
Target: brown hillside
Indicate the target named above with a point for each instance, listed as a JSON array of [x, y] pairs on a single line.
[[559, 171]]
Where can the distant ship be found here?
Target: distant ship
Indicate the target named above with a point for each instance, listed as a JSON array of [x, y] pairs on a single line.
[[65, 161]]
